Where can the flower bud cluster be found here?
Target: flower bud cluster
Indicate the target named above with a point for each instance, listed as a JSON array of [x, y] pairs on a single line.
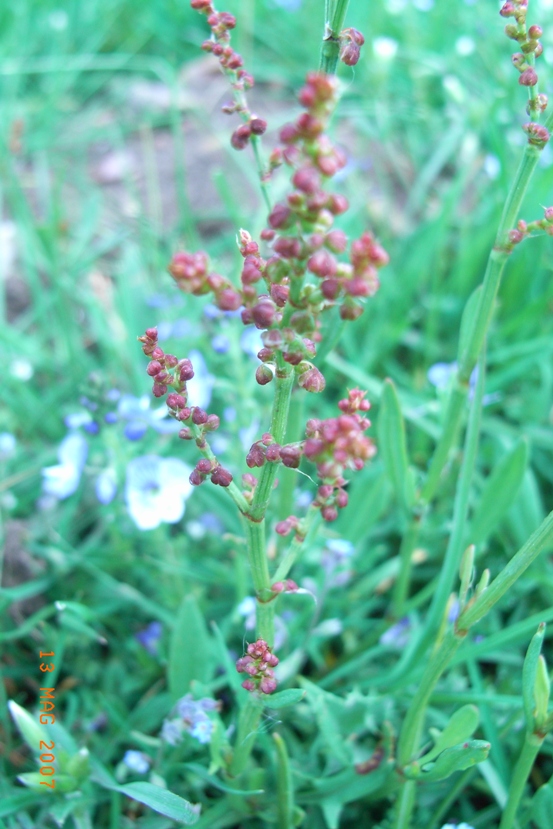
[[191, 273], [258, 663], [337, 444], [351, 41], [166, 370], [232, 65], [524, 229], [530, 49], [266, 450]]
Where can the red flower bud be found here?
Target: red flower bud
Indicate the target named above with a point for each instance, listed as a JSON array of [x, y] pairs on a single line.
[[322, 264], [198, 416], [186, 371], [221, 477], [154, 368], [264, 314], [240, 137], [258, 126], [263, 375], [312, 380], [280, 217], [528, 77], [228, 300], [290, 456]]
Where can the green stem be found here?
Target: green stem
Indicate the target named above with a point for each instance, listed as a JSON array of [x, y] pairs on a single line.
[[330, 48], [248, 724], [401, 587], [531, 746], [540, 538], [311, 520], [455, 546], [411, 730], [265, 608], [285, 792], [467, 360], [284, 381]]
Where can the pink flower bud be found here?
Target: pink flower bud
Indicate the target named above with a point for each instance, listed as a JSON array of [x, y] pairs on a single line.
[[342, 498], [251, 272], [154, 368], [268, 685], [288, 247], [322, 264], [249, 685], [258, 126], [528, 77], [336, 241], [240, 137], [186, 371], [151, 334], [176, 401], [350, 312], [350, 53], [204, 466], [283, 527], [507, 10], [158, 390], [330, 288], [184, 414], [228, 300], [289, 134], [196, 478], [515, 236], [306, 179], [535, 32], [548, 214], [198, 416], [255, 457], [309, 126], [279, 294], [329, 513], [337, 204], [185, 434], [267, 235], [263, 375], [264, 314], [221, 477], [280, 217], [290, 456], [312, 380], [272, 453], [157, 353], [212, 423]]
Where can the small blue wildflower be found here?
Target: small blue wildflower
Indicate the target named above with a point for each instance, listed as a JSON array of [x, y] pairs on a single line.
[[211, 312], [113, 395], [91, 427], [220, 343], [199, 389], [7, 445], [172, 731], [149, 637], [164, 330], [62, 480], [106, 486], [156, 489], [110, 418], [453, 610], [457, 826], [77, 419], [202, 730], [136, 411], [440, 374], [250, 341], [398, 635], [137, 761]]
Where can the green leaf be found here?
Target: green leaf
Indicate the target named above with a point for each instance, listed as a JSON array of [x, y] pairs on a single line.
[[460, 727], [529, 672], [467, 324], [18, 802], [36, 781], [392, 444], [285, 790], [499, 492], [162, 801], [189, 652], [542, 807], [284, 698], [457, 758], [28, 727]]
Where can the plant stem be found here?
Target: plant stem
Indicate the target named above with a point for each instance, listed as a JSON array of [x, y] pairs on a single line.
[[531, 746], [412, 726], [540, 538], [284, 381], [310, 521], [265, 607], [248, 723], [467, 360], [401, 587], [330, 48]]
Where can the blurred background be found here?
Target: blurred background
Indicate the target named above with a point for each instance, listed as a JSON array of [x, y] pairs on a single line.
[[114, 153]]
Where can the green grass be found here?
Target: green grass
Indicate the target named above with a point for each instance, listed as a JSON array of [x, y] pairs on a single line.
[[89, 257]]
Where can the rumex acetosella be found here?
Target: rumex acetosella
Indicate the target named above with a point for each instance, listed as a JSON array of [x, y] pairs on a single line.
[[301, 268]]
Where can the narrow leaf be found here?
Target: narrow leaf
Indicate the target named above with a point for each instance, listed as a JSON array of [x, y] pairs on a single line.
[[393, 444], [529, 671], [285, 792], [460, 727], [499, 492], [468, 321], [284, 698], [542, 807], [162, 801], [28, 727], [189, 649]]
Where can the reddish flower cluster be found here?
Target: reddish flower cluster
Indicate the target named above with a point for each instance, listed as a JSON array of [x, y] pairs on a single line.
[[167, 371], [190, 272], [351, 41], [531, 48], [258, 663], [232, 64], [524, 229]]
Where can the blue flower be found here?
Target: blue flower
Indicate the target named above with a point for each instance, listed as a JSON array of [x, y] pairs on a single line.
[[156, 489], [220, 343], [250, 341], [106, 486], [201, 386], [398, 635], [7, 445], [136, 411], [149, 637], [137, 761], [62, 480], [192, 718]]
